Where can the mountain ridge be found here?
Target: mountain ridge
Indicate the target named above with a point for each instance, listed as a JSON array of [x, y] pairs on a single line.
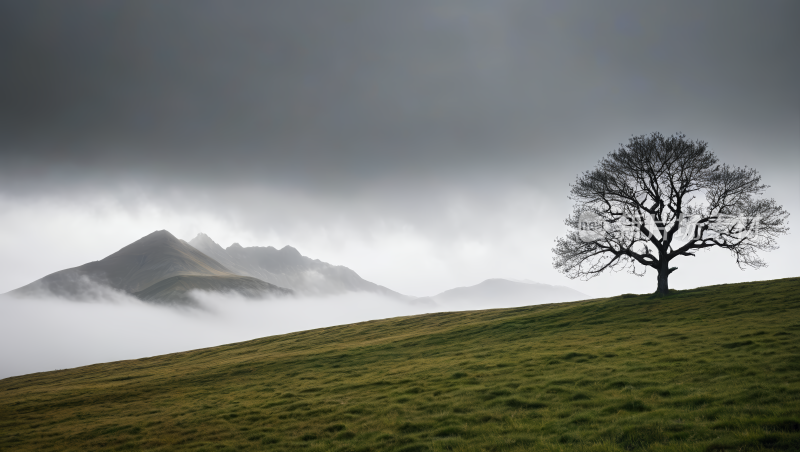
[[138, 266], [287, 267], [161, 267]]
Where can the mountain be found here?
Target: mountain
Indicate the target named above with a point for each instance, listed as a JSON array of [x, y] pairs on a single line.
[[138, 267], [286, 267], [504, 292]]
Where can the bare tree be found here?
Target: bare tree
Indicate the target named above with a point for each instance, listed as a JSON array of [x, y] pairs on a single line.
[[658, 198]]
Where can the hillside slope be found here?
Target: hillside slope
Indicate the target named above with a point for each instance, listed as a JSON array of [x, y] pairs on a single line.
[[710, 369], [286, 267]]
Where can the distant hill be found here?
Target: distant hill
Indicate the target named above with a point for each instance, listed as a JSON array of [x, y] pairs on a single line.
[[137, 267], [504, 292], [286, 267]]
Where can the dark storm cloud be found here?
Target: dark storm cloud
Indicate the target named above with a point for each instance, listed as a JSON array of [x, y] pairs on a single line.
[[328, 93]]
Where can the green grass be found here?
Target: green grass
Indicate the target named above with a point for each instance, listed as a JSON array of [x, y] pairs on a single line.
[[711, 369]]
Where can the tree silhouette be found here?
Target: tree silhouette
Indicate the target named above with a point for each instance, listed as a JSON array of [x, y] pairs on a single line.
[[658, 198]]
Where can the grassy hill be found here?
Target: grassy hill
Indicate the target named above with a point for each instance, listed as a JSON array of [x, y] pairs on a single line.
[[716, 368], [177, 288]]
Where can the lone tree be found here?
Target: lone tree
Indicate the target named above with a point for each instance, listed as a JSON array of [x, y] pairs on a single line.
[[658, 198]]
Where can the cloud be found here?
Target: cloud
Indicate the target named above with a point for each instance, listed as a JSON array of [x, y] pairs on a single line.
[[47, 333], [285, 90], [424, 145], [44, 332]]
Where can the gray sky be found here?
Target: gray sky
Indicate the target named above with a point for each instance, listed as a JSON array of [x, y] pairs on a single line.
[[424, 144]]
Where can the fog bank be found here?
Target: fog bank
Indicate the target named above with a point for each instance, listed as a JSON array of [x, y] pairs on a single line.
[[48, 333]]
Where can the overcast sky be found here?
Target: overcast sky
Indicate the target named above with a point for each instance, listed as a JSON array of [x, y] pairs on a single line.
[[424, 144]]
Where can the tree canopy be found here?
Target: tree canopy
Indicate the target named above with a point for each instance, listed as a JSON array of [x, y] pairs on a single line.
[[658, 198]]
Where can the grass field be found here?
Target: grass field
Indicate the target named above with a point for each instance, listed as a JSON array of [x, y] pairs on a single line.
[[711, 369]]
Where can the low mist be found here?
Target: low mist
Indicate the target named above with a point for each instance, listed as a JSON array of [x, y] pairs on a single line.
[[45, 333]]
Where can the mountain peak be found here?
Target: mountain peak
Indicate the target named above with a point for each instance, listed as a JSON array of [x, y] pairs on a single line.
[[202, 238], [290, 251], [162, 233], [153, 258], [146, 243]]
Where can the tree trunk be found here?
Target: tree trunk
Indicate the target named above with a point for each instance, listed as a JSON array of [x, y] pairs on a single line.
[[663, 275]]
